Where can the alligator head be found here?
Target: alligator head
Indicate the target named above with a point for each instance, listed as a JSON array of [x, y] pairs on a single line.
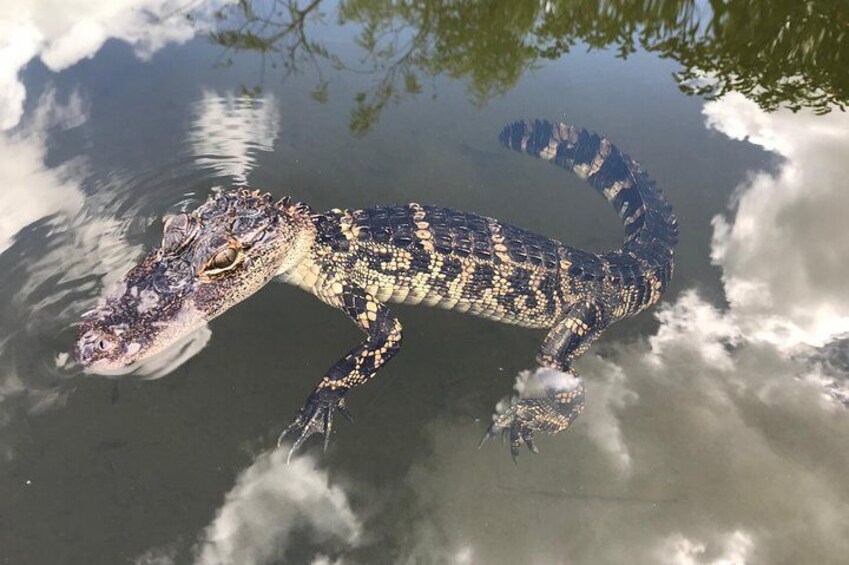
[[208, 261]]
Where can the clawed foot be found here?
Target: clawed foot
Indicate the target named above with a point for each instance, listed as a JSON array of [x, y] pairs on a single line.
[[316, 417], [553, 411], [516, 423]]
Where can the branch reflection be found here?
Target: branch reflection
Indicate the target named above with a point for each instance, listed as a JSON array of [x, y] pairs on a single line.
[[783, 53]]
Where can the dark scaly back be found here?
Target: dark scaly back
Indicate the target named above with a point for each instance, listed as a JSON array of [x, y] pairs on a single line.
[[651, 228]]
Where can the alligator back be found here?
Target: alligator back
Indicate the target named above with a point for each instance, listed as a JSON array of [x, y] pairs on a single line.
[[469, 263]]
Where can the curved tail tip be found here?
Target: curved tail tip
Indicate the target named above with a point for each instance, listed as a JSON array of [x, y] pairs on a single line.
[[531, 136]]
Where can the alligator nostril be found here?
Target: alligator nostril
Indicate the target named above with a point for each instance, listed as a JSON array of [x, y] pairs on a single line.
[[92, 344]]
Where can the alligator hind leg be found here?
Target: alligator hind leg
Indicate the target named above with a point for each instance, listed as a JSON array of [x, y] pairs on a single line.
[[551, 397], [383, 341]]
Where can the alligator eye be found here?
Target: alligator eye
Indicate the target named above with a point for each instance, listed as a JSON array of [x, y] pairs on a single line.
[[224, 260]]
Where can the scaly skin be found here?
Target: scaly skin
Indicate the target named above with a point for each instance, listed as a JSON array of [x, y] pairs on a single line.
[[360, 260]]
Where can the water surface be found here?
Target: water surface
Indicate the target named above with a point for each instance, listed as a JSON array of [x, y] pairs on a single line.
[[716, 428]]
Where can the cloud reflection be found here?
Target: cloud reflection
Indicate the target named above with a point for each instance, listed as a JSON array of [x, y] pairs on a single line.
[[64, 33], [678, 550], [31, 191], [729, 422], [783, 256], [37, 201], [227, 131], [718, 440], [711, 433], [272, 499]]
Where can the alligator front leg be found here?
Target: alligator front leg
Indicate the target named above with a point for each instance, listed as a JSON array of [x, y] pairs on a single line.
[[383, 341], [552, 397]]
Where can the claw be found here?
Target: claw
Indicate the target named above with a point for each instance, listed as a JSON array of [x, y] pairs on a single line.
[[328, 426], [315, 417], [528, 438], [484, 439], [490, 431], [514, 430], [515, 440], [343, 409], [295, 424], [524, 417], [291, 452]]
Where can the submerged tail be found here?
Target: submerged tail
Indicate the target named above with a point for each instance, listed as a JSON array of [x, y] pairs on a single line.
[[650, 226]]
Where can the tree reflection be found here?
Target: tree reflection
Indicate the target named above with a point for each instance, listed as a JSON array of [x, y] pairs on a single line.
[[777, 52]]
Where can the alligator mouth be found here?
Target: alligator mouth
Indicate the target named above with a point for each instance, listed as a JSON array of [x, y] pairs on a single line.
[[153, 365], [147, 311], [120, 341], [208, 261]]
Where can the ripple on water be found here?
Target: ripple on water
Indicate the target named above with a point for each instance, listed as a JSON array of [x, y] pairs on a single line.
[[76, 233], [228, 132]]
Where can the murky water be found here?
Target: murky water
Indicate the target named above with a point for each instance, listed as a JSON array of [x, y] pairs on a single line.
[[716, 428]]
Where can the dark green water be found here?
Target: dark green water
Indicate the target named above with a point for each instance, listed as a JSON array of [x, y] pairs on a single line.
[[715, 434]]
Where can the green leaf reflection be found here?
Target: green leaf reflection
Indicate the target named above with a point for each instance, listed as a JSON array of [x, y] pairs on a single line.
[[779, 53]]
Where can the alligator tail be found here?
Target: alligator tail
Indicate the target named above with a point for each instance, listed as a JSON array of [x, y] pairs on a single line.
[[651, 228]]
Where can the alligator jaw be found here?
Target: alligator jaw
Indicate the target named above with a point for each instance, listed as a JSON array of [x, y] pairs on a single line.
[[209, 260]]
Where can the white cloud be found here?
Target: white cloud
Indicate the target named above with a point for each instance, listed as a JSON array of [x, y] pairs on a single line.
[[710, 329], [18, 44], [728, 456], [321, 559], [534, 384], [227, 131], [608, 396], [424, 542], [157, 556], [30, 190], [735, 550], [268, 502], [64, 33], [784, 254]]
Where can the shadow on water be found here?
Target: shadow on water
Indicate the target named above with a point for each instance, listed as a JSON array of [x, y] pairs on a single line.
[[778, 53]]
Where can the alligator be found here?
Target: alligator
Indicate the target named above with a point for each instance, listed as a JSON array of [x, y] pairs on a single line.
[[359, 260]]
